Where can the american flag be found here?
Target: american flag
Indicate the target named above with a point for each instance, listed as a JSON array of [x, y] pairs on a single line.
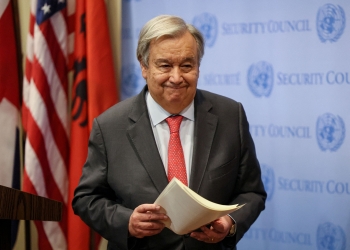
[[45, 114]]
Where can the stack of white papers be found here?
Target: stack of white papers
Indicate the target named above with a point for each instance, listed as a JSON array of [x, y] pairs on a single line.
[[187, 210]]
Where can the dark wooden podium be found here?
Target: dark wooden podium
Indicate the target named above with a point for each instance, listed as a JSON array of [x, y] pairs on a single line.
[[18, 205]]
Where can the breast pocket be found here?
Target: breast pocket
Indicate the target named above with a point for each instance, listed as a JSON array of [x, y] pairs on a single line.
[[225, 171], [221, 179]]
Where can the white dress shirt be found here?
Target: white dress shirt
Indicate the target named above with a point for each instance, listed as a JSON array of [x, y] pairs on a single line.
[[162, 133]]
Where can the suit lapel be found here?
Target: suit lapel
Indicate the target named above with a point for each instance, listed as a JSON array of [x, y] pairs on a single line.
[[205, 126], [141, 136]]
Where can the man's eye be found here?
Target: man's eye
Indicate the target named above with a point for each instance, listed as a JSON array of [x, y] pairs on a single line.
[[186, 67]]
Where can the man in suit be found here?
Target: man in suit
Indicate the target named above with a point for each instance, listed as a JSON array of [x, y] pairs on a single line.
[[127, 163]]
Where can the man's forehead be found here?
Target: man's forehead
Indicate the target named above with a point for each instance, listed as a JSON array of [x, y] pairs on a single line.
[[159, 59], [187, 36]]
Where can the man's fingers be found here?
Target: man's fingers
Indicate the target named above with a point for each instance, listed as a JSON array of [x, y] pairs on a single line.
[[146, 220], [151, 225], [210, 234], [148, 212], [142, 229], [144, 208], [147, 217], [218, 227]]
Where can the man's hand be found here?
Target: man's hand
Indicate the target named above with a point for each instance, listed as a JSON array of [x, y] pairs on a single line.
[[217, 231], [146, 220]]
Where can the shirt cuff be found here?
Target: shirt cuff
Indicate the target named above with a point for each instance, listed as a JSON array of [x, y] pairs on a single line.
[[235, 227]]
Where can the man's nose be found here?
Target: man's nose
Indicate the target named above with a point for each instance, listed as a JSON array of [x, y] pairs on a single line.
[[176, 76]]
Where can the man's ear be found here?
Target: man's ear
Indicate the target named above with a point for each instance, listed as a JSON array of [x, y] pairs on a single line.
[[144, 70]]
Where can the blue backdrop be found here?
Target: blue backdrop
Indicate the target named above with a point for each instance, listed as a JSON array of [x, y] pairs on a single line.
[[288, 62]]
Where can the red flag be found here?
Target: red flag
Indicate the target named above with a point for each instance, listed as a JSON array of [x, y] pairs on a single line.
[[9, 93], [94, 90], [45, 117], [9, 104]]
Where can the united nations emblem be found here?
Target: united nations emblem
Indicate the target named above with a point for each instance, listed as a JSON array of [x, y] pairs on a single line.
[[131, 76], [330, 132], [268, 178], [330, 22], [208, 25], [260, 79], [330, 237]]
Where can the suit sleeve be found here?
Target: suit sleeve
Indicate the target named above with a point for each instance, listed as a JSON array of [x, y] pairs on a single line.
[[249, 189], [94, 201]]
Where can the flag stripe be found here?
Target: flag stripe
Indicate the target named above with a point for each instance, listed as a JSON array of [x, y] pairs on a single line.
[[57, 93], [56, 235], [36, 140], [59, 26], [34, 174], [28, 69], [31, 26], [28, 66], [43, 242], [41, 177], [25, 96], [57, 54], [43, 87], [47, 232], [38, 124]]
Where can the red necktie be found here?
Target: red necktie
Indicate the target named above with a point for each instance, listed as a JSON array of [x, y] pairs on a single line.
[[176, 159]]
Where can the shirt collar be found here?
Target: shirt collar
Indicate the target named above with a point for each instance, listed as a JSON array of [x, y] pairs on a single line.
[[158, 114]]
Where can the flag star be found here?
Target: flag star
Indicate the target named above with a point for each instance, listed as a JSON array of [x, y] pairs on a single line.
[[46, 8], [61, 1]]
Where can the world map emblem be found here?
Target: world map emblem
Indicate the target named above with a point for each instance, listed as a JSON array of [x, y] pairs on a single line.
[[268, 178], [330, 132], [330, 22], [330, 237], [208, 25], [260, 79], [131, 77]]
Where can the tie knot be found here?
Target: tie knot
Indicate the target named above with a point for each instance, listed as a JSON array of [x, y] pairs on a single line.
[[174, 123]]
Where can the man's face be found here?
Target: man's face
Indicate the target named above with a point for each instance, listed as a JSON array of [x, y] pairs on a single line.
[[173, 72]]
